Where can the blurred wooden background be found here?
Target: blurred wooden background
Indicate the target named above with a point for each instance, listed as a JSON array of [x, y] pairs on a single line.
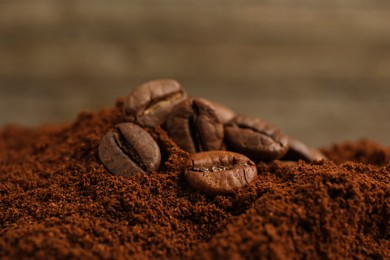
[[318, 69]]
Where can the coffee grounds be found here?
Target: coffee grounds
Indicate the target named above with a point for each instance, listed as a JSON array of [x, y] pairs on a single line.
[[58, 201]]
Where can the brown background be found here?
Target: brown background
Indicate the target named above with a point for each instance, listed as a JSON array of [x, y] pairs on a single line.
[[318, 69]]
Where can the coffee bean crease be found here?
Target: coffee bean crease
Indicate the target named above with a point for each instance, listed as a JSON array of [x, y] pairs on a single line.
[[129, 150]]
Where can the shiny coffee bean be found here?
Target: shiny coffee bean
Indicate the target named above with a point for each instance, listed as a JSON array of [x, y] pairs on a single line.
[[219, 172], [150, 103], [224, 113], [255, 138], [194, 126], [129, 149], [297, 150]]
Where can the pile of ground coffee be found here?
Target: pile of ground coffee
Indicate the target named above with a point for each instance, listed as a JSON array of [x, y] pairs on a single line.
[[58, 201]]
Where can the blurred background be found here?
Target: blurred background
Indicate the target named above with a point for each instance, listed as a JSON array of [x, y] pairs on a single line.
[[318, 69]]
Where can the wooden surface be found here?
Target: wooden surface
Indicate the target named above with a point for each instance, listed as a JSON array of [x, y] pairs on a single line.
[[321, 71]]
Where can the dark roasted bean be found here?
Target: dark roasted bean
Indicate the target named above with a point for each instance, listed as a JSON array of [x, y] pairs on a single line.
[[129, 149], [219, 172], [194, 126], [297, 150], [256, 138], [150, 103]]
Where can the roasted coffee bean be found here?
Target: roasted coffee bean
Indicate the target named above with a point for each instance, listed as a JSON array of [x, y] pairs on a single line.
[[150, 103], [194, 126], [219, 172], [317, 155], [129, 149], [256, 138], [225, 114], [297, 150]]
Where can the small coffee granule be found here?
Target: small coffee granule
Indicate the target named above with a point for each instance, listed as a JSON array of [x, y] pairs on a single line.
[[57, 201]]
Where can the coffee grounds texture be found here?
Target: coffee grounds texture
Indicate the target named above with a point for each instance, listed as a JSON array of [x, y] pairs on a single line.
[[57, 201]]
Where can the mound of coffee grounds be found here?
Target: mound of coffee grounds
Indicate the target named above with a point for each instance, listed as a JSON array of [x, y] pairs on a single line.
[[58, 201]]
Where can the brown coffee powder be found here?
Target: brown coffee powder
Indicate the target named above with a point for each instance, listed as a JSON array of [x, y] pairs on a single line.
[[58, 201]]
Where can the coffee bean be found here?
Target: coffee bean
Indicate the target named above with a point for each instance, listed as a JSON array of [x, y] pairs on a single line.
[[297, 150], [219, 172], [194, 126], [150, 103], [129, 149], [317, 155], [256, 138], [225, 114]]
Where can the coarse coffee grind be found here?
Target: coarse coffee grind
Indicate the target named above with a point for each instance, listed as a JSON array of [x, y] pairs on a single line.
[[59, 201]]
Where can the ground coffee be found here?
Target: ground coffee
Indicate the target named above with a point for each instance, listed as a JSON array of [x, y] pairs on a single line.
[[58, 201]]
